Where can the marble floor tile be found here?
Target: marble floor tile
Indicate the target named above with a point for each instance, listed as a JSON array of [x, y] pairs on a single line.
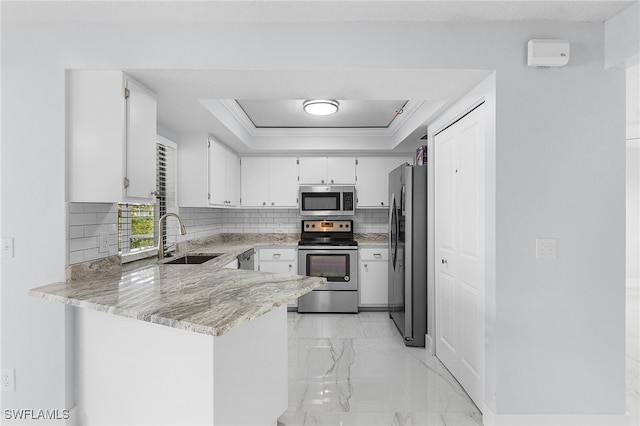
[[354, 369]]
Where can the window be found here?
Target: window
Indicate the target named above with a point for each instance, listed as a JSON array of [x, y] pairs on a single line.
[[137, 233]]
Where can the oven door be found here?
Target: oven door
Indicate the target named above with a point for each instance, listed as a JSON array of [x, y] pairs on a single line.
[[338, 266]]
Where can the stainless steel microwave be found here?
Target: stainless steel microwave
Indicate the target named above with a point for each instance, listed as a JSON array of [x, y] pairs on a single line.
[[327, 200]]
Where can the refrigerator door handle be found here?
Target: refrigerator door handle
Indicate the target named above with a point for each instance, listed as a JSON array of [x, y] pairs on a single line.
[[403, 200], [393, 231]]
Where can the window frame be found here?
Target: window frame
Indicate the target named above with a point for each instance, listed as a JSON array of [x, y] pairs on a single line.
[[153, 251]]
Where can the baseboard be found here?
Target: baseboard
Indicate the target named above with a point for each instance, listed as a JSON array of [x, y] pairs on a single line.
[[428, 345], [489, 418]]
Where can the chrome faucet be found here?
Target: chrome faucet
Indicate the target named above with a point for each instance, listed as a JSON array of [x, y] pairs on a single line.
[[161, 222]]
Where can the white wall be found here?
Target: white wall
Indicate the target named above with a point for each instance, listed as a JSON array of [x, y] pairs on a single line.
[[558, 343]]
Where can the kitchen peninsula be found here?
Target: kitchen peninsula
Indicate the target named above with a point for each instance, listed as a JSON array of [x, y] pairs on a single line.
[[181, 344]]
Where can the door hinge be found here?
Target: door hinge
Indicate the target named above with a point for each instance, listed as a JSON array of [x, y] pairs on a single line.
[[127, 93], [126, 182], [208, 196], [208, 143], [297, 161], [356, 161]]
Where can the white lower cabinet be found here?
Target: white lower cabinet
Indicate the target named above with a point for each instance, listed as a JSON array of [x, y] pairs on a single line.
[[373, 277], [279, 260]]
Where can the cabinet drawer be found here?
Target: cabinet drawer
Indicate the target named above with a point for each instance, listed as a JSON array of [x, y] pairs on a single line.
[[278, 254], [369, 254]]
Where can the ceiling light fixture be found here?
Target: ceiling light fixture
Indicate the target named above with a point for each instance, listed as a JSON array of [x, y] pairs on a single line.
[[320, 107]]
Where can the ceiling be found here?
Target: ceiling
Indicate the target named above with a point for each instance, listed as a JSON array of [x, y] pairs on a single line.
[[245, 106], [313, 10]]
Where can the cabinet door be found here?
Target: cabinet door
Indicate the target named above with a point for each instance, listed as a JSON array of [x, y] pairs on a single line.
[[341, 170], [96, 109], [232, 179], [373, 283], [254, 181], [193, 170], [283, 181], [217, 173], [372, 182], [313, 170], [289, 267], [140, 142]]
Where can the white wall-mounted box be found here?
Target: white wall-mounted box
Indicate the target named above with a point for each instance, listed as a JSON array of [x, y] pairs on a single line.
[[547, 53]]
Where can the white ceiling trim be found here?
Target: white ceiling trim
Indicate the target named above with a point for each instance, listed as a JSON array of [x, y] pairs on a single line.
[[241, 117]]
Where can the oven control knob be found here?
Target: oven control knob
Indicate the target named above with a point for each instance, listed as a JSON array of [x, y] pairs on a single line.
[[313, 226], [346, 278], [307, 225], [341, 225]]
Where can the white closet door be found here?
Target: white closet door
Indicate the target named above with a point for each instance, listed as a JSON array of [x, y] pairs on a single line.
[[459, 237]]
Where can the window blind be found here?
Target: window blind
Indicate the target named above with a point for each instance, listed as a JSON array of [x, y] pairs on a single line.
[[166, 186], [137, 223]]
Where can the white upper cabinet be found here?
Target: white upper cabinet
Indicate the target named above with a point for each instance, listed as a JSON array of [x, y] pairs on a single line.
[[269, 182], [327, 170], [224, 175], [373, 179], [111, 138], [193, 170], [254, 182], [208, 172], [371, 187]]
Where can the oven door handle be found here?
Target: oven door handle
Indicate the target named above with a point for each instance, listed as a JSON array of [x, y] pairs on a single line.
[[324, 249]]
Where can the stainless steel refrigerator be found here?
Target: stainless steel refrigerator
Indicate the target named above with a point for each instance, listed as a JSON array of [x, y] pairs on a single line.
[[408, 252]]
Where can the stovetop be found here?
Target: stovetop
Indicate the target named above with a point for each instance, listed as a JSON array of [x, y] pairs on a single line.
[[327, 233]]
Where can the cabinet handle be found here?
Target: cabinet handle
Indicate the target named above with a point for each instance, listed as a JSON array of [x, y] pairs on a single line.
[[322, 181], [366, 266], [154, 193], [290, 266], [331, 180], [264, 203], [276, 256], [377, 255], [444, 262], [382, 203], [273, 203]]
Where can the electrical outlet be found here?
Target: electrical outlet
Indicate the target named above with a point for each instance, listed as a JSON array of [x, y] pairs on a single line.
[[7, 380], [547, 248], [104, 242], [7, 247]]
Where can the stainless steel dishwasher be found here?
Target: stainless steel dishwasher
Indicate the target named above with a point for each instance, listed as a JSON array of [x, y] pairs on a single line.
[[247, 260]]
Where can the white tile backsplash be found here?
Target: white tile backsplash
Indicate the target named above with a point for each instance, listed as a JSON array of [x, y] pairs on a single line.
[[88, 220]]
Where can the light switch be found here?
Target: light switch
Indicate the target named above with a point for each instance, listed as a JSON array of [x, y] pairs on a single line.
[[547, 248]]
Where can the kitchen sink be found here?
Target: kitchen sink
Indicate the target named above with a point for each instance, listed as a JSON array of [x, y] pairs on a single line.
[[192, 259]]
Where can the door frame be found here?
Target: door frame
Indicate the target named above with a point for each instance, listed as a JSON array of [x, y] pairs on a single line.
[[485, 92]]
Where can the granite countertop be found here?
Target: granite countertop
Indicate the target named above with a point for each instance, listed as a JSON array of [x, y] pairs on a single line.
[[205, 298]]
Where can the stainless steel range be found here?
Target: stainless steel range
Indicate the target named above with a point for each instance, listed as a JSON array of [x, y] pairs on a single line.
[[327, 249]]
